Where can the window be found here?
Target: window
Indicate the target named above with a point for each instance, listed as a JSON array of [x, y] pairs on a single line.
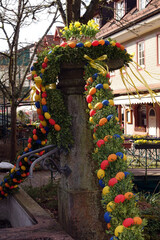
[[158, 48], [143, 4], [141, 53], [129, 116], [120, 10], [140, 117]]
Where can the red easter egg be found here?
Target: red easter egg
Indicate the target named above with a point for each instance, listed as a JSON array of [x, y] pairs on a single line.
[[34, 131], [40, 125], [108, 75], [89, 98], [44, 65], [100, 142], [119, 198], [118, 45], [63, 44], [41, 117], [104, 164], [44, 95], [128, 222], [51, 121], [112, 182], [29, 140], [95, 43], [92, 113], [37, 92]]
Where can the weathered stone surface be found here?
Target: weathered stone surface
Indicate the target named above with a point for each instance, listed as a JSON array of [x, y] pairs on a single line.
[[79, 196]]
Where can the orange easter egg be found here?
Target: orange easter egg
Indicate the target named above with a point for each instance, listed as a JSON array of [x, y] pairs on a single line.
[[137, 220], [43, 101], [112, 157], [119, 176], [72, 44], [102, 121], [35, 137], [101, 42], [46, 60], [39, 111], [89, 80], [98, 105], [57, 127], [128, 195], [29, 145], [92, 91]]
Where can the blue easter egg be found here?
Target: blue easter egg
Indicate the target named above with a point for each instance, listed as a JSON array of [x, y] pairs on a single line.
[[107, 43], [30, 149], [99, 86], [116, 136], [45, 108], [41, 75], [79, 45], [50, 52], [11, 175], [46, 128], [113, 238], [95, 75], [101, 183], [18, 173], [119, 154], [126, 174], [5, 180], [105, 102], [109, 117], [37, 104], [107, 217], [32, 68], [38, 141]]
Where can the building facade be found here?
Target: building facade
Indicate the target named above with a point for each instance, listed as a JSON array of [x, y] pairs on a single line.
[[136, 25]]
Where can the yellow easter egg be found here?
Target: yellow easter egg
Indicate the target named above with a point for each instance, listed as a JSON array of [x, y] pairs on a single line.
[[42, 70], [96, 150], [90, 106], [12, 170], [100, 173], [117, 119], [94, 136], [43, 89], [44, 123], [23, 168], [91, 120], [87, 44], [111, 102], [105, 86], [47, 115], [26, 159], [105, 190], [124, 157], [37, 97], [33, 73], [118, 230], [43, 142], [113, 43], [111, 206]]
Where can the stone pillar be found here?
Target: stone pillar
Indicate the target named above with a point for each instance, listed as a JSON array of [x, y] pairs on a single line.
[[80, 211]]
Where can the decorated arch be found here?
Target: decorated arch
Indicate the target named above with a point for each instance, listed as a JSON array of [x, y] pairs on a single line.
[[97, 57]]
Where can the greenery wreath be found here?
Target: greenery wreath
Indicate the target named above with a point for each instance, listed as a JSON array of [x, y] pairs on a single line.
[[119, 202]]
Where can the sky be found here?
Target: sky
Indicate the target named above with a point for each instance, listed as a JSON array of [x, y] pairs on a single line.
[[34, 32]]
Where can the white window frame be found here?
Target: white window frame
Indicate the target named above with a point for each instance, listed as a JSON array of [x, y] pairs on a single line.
[[119, 9], [143, 4], [140, 54], [158, 49]]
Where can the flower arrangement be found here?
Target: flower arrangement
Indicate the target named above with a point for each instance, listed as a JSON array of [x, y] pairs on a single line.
[[80, 31]]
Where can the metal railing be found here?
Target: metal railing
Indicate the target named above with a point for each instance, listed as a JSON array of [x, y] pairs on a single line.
[[50, 160]]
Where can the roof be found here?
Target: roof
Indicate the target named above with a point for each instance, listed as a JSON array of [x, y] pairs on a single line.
[[130, 19]]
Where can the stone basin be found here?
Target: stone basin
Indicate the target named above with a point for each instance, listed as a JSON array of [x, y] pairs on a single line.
[[28, 220]]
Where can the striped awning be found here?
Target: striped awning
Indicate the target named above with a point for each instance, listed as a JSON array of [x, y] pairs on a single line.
[[134, 99]]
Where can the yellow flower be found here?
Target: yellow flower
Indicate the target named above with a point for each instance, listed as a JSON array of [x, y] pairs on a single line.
[[65, 28], [77, 24], [70, 26]]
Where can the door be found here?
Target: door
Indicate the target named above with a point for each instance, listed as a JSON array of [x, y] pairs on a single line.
[[152, 123]]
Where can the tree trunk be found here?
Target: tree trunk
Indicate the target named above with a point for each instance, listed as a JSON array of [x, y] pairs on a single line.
[[13, 143]]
